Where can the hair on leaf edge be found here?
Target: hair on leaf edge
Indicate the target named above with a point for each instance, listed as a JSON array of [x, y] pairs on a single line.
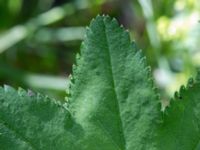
[[179, 95], [29, 93]]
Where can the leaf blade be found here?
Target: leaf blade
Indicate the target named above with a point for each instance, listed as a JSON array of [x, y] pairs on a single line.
[[30, 121], [181, 126], [110, 85]]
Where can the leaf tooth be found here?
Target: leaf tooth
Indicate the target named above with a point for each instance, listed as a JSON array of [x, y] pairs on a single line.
[[176, 95], [151, 81], [154, 88], [67, 99], [179, 94], [66, 106], [68, 94], [45, 98], [21, 92], [74, 67], [71, 77], [39, 95], [140, 55], [107, 19], [69, 91], [114, 20], [91, 23], [172, 101], [77, 60], [93, 19], [30, 93], [98, 15], [87, 29], [87, 34], [148, 69], [122, 26], [143, 60], [134, 44], [167, 109], [77, 56], [116, 23], [8, 88], [190, 82], [148, 72], [127, 31], [106, 16], [182, 89], [72, 80]]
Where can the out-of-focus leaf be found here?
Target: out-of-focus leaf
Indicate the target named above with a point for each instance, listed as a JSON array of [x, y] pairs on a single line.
[[60, 35]]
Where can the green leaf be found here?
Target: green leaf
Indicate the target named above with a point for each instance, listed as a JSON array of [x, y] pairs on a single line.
[[112, 104], [181, 127], [32, 121], [112, 94]]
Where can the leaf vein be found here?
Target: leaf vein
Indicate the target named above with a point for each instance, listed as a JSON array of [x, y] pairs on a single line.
[[17, 134], [113, 82]]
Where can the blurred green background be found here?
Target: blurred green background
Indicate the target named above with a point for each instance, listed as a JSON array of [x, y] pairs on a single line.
[[40, 38]]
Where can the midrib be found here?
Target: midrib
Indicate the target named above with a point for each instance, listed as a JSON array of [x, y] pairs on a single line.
[[114, 86]]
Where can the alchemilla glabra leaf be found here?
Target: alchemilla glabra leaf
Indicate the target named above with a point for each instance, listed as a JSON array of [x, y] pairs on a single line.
[[112, 94], [111, 105]]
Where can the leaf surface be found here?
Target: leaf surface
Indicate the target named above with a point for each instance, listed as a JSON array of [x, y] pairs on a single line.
[[34, 122], [112, 104], [112, 94], [181, 127]]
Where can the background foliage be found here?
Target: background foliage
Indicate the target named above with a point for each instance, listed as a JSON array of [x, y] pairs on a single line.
[[39, 39]]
